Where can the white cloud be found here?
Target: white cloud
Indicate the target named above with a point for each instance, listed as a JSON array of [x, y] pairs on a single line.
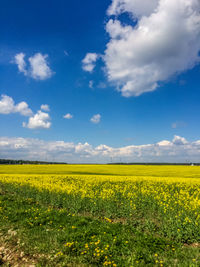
[[83, 149], [164, 143], [96, 118], [179, 140], [68, 116], [136, 7], [23, 109], [163, 151], [21, 64], [89, 62], [45, 107], [7, 106], [165, 41], [38, 69], [91, 84], [41, 120]]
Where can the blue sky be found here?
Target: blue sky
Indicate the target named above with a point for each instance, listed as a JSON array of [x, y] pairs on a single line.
[[122, 82]]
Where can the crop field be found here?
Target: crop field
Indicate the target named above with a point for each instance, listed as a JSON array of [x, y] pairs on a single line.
[[99, 215]]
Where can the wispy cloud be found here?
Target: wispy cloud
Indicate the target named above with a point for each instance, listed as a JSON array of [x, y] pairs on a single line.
[[66, 53], [91, 84], [178, 124]]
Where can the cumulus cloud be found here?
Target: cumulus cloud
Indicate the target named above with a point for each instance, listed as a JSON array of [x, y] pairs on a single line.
[[136, 7], [45, 107], [8, 106], [19, 60], [163, 151], [89, 62], [179, 140], [68, 116], [96, 118], [41, 120], [38, 66], [163, 41], [36, 121], [164, 143]]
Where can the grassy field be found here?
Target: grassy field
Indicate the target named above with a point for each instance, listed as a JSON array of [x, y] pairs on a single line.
[[99, 215]]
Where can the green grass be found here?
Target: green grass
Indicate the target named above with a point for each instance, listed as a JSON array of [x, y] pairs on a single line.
[[67, 230]]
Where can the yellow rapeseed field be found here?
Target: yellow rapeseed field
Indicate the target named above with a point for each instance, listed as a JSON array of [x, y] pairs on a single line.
[[160, 204], [169, 186]]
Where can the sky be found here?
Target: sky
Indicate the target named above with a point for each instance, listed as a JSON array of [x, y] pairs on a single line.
[[100, 81]]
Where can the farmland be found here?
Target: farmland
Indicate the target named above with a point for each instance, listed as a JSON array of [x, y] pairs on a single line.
[[100, 215]]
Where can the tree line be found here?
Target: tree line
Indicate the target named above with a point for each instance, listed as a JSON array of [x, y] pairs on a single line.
[[13, 162]]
